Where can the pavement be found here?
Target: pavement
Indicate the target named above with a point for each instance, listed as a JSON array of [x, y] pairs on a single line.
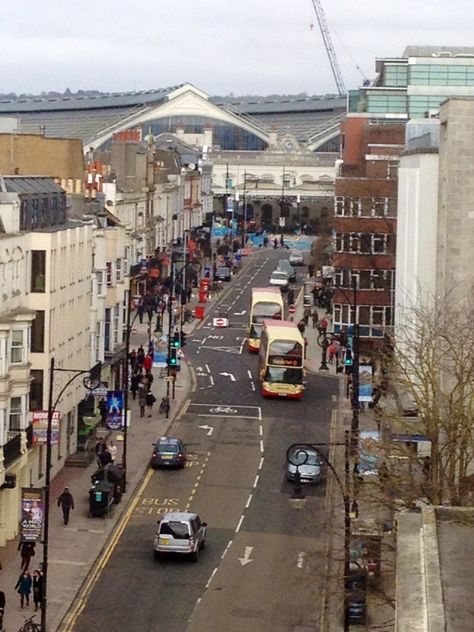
[[75, 548]]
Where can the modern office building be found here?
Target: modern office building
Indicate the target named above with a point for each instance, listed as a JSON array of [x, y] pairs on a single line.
[[415, 84]]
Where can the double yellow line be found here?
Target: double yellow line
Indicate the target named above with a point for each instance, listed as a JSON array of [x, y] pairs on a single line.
[[91, 581]]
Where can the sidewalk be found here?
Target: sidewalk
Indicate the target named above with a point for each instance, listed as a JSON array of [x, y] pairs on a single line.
[[74, 549]]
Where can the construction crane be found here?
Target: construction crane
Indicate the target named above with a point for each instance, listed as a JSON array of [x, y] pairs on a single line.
[[323, 26]]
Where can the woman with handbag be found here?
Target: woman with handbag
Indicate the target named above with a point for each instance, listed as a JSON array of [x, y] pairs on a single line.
[[150, 400]]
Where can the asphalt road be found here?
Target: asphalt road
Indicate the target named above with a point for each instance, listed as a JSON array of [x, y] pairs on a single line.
[[263, 565]]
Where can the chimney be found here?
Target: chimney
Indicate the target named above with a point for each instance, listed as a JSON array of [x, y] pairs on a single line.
[[273, 137], [208, 133]]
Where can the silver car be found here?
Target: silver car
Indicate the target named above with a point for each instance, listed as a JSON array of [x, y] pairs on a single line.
[[280, 279], [307, 462], [180, 532], [296, 258]]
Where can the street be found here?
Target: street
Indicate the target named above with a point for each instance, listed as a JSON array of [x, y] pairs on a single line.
[[263, 564]]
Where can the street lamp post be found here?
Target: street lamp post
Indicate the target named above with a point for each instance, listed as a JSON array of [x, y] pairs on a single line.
[[90, 383], [355, 371], [299, 453], [324, 344]]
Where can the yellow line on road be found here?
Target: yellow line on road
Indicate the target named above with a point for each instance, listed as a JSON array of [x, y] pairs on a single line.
[[104, 558]]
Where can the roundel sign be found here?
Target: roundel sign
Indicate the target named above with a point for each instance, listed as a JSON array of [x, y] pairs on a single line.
[[291, 309], [220, 322]]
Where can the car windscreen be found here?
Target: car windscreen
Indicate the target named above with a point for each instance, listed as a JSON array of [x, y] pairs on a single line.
[[167, 447], [266, 310], [285, 353], [279, 275], [285, 376], [301, 457], [179, 530]]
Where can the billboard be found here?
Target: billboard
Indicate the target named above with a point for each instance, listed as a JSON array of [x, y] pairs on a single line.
[[39, 421], [366, 377], [32, 513], [114, 410]]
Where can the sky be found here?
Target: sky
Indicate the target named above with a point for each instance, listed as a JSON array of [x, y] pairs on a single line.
[[223, 47]]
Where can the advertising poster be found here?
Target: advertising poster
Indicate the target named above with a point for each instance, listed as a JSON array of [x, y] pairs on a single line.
[[40, 426], [114, 409], [366, 377], [32, 512]]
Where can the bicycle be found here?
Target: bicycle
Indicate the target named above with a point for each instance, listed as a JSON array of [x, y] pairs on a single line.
[[223, 409], [189, 316], [30, 625]]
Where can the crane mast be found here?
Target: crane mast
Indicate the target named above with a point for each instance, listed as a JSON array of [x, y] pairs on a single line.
[[323, 26]]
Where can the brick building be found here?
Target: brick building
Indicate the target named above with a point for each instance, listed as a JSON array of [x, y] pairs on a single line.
[[364, 225]]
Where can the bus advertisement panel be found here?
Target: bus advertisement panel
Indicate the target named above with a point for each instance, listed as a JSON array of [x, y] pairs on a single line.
[[265, 303], [281, 361]]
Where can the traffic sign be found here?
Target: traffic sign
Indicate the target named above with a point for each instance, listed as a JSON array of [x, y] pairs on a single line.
[[220, 322]]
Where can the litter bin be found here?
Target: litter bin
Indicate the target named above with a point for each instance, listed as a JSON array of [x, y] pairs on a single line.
[[199, 312]]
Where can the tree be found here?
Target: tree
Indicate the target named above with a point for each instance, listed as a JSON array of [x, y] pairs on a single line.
[[432, 363]]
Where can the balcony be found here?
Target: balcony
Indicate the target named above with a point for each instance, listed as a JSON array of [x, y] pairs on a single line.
[[12, 448]]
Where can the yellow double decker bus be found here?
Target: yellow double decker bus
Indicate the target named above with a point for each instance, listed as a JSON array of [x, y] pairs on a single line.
[[265, 303], [281, 360]]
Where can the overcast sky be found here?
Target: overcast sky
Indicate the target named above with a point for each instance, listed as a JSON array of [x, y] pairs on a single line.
[[221, 46]]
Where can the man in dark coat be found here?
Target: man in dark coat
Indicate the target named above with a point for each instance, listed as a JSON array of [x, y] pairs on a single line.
[[66, 502]]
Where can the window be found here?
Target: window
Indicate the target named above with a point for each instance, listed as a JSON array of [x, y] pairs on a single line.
[[36, 390], [100, 283], [37, 333], [38, 270], [107, 330], [378, 244], [118, 270], [16, 413], [109, 274], [17, 347], [365, 243], [364, 279], [116, 324]]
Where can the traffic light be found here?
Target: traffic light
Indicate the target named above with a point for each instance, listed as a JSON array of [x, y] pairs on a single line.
[[183, 338], [173, 359], [348, 359], [175, 342]]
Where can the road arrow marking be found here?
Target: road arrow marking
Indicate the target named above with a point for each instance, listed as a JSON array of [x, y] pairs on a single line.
[[246, 558], [232, 378], [240, 313], [300, 562], [210, 429]]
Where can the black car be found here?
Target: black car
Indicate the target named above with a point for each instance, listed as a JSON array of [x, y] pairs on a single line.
[[168, 452], [223, 273], [355, 610]]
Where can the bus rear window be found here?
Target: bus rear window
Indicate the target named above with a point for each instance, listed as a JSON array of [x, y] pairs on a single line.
[[261, 311]]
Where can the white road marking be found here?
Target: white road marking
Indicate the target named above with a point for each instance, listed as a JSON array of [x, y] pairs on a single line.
[[68, 562], [246, 558], [210, 578], [249, 500], [210, 429], [252, 386], [239, 313], [260, 430], [207, 368], [300, 561], [211, 379], [261, 446], [249, 373], [255, 483], [232, 378], [240, 523], [261, 464]]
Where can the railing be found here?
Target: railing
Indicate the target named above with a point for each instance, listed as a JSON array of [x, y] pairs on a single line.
[[12, 448]]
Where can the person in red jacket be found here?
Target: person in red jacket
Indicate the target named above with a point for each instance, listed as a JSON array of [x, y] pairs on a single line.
[[148, 362]]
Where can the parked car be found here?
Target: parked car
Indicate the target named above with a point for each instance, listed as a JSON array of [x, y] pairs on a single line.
[[296, 258], [168, 452], [286, 266], [307, 462], [180, 532], [355, 610], [279, 278]]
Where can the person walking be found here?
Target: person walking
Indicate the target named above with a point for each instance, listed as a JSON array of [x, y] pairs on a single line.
[[148, 362], [301, 327], [103, 412], [291, 296], [23, 588], [27, 551], [323, 325], [112, 448], [140, 356], [105, 457], [100, 446], [66, 502], [37, 588], [310, 270], [315, 317], [142, 392], [150, 400], [306, 315], [134, 382], [141, 311]]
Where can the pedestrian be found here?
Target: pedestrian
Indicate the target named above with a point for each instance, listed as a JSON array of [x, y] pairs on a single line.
[[134, 381], [275, 243], [150, 399], [142, 392], [149, 377], [164, 405], [37, 588], [301, 326], [112, 449], [100, 446], [103, 412], [140, 310], [306, 314], [66, 502], [189, 292], [323, 325], [315, 317], [23, 588], [310, 270], [265, 241], [27, 551], [140, 356], [148, 362], [282, 243], [105, 457], [133, 359], [291, 296], [332, 352]]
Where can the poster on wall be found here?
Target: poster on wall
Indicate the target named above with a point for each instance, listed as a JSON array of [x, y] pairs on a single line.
[[32, 512], [366, 376], [40, 426], [114, 409]]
